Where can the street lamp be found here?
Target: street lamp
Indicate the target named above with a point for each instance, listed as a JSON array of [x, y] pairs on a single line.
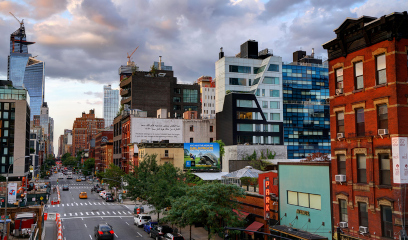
[[6, 202]]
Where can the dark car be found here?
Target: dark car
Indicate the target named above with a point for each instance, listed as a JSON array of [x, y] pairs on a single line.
[[99, 189], [149, 226], [109, 198], [104, 231], [65, 188], [172, 236], [46, 177], [159, 231]]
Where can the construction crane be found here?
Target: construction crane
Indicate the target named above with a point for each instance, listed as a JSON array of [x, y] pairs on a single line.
[[21, 22], [129, 62]]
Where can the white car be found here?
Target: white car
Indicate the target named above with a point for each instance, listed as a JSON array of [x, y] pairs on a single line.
[[141, 219], [102, 194]]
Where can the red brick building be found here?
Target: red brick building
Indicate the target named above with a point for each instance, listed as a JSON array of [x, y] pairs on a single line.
[[101, 139], [368, 109], [126, 154], [84, 130]]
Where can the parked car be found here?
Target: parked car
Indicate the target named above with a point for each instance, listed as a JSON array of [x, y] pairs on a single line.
[[106, 194], [101, 193], [141, 219], [103, 231], [65, 188], [149, 226], [83, 195], [158, 231], [109, 198], [98, 190], [83, 179], [173, 236]]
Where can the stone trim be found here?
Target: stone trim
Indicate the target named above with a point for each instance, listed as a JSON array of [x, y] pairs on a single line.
[[337, 65], [379, 151], [358, 199], [360, 151], [384, 202], [361, 187], [342, 196], [339, 109], [358, 105], [380, 101], [379, 51], [357, 59], [343, 152]]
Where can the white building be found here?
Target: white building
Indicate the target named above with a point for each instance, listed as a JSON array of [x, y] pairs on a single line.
[[207, 95], [199, 130]]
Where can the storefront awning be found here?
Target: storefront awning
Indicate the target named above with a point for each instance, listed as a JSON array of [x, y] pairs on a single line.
[[241, 214], [254, 227], [296, 233]]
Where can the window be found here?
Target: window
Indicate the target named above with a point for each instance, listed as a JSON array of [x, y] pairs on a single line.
[[381, 73], [190, 96], [258, 92], [257, 127], [166, 153], [275, 116], [358, 75], [305, 200], [176, 99], [382, 111], [211, 128], [211, 140], [341, 164], [191, 128], [315, 201], [177, 91], [259, 69], [237, 81], [265, 127], [274, 128], [239, 69], [361, 168], [363, 214], [360, 126], [343, 210], [271, 80], [256, 81], [275, 140], [265, 139], [385, 173], [245, 103], [243, 127], [292, 198], [274, 93], [340, 122], [264, 104], [386, 222], [339, 79], [273, 68], [244, 115], [274, 105], [191, 140]]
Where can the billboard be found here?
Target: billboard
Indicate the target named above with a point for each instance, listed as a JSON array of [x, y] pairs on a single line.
[[156, 129], [202, 156], [12, 193], [400, 159]]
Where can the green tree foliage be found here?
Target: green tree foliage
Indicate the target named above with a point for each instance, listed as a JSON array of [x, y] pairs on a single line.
[[249, 181], [112, 175], [88, 166], [70, 161], [208, 204], [65, 156], [259, 162]]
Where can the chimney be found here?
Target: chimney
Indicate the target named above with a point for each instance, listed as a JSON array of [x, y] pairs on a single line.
[[312, 52], [221, 54], [159, 63]]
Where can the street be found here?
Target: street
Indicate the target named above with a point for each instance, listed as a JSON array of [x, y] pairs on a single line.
[[80, 216]]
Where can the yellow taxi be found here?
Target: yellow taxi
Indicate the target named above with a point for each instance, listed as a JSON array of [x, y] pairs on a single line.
[[78, 179], [83, 195]]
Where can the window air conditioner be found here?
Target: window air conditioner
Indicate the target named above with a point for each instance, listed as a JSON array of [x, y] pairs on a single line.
[[340, 135], [363, 229], [382, 131], [339, 91], [343, 225], [340, 178]]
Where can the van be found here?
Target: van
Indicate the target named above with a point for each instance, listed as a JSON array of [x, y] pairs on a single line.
[[60, 175]]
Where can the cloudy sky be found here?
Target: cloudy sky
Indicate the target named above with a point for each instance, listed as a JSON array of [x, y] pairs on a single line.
[[83, 42]]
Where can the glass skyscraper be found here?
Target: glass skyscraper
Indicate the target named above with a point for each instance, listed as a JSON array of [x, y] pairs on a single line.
[[25, 71], [306, 109], [110, 104]]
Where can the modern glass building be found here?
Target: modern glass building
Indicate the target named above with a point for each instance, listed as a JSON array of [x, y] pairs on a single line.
[[306, 108], [110, 104], [25, 71]]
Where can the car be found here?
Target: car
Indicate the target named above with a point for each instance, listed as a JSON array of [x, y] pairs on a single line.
[[46, 177], [106, 194], [98, 190], [83, 195], [109, 198], [65, 188], [101, 193], [83, 179], [104, 231], [158, 231], [78, 179], [149, 226], [141, 219], [173, 236]]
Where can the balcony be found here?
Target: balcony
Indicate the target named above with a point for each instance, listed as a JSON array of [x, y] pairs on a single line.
[[126, 100], [125, 83], [125, 92]]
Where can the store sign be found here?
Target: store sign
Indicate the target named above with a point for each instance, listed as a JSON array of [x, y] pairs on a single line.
[[12, 193], [302, 212], [400, 159], [267, 198], [202, 156]]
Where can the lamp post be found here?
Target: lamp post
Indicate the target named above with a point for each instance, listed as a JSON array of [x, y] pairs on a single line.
[[6, 201]]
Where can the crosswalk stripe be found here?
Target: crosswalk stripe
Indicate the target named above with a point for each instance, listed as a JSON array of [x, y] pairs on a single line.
[[93, 213], [86, 213], [103, 213], [70, 214], [81, 204], [62, 204], [107, 212], [65, 214], [129, 212], [81, 213], [113, 212], [98, 213], [76, 214], [124, 212]]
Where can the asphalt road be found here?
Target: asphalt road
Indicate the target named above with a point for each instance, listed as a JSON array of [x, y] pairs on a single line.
[[80, 216]]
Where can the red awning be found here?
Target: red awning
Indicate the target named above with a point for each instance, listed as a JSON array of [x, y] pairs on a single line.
[[241, 214], [254, 227]]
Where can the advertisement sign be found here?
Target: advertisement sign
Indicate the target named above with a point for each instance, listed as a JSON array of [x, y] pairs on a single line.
[[12, 193], [400, 159], [267, 198], [202, 156], [156, 129]]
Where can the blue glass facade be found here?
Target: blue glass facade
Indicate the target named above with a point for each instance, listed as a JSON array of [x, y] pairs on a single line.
[[110, 104], [17, 67], [306, 109], [34, 82]]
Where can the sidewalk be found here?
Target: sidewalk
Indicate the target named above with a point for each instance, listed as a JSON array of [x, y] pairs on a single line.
[[196, 233], [50, 230]]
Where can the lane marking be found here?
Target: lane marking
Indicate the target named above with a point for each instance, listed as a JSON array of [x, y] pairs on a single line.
[[90, 236], [139, 234], [116, 235], [127, 223], [85, 225]]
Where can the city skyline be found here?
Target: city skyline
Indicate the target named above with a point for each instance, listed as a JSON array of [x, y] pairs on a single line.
[[84, 43]]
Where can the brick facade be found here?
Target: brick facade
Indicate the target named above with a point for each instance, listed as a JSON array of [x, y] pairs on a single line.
[[84, 130], [364, 40]]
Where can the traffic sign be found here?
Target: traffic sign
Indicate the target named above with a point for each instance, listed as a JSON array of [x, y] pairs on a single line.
[[41, 198]]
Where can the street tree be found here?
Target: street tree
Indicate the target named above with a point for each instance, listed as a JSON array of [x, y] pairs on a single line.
[[112, 175], [89, 164], [209, 204]]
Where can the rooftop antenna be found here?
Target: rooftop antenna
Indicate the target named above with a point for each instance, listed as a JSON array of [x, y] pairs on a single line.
[[21, 22], [129, 62]]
